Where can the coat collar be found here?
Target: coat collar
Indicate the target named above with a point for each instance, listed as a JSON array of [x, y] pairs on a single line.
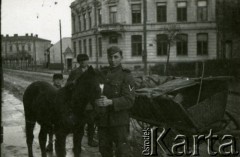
[[114, 69]]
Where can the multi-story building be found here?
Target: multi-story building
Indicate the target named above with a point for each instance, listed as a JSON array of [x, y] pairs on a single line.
[[30, 45], [96, 25]]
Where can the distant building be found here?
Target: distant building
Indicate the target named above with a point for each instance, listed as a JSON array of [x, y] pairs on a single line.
[[25, 46], [96, 25], [67, 56]]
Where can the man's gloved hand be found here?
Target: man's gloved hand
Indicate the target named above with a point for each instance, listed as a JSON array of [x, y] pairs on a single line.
[[103, 102]]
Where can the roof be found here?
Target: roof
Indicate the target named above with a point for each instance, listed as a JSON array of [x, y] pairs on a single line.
[[13, 38], [68, 50]]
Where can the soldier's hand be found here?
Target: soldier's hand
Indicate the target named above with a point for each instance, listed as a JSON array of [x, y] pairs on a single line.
[[103, 101]]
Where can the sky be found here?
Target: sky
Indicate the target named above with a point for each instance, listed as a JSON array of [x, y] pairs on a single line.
[[38, 17]]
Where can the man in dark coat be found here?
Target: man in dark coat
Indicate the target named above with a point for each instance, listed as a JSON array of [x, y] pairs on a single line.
[[82, 59], [118, 97], [89, 114]]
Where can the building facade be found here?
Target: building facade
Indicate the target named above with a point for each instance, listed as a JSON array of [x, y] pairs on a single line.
[[25, 46], [67, 54], [97, 25]]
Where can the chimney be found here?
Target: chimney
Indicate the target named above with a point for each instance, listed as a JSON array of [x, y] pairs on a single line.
[[7, 35], [26, 34], [36, 35], [15, 35], [31, 34]]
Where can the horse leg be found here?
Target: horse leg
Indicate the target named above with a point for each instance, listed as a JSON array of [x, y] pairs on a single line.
[[29, 134], [77, 140], [42, 140], [60, 144]]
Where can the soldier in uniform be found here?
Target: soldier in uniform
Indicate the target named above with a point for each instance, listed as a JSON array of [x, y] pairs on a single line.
[[57, 82], [118, 97], [83, 59]]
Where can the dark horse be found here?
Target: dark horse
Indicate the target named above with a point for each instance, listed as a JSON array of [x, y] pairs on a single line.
[[64, 108]]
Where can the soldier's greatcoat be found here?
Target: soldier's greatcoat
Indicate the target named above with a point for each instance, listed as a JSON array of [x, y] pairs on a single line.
[[118, 86]]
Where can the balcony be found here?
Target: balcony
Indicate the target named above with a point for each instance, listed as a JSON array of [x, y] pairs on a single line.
[[110, 29]]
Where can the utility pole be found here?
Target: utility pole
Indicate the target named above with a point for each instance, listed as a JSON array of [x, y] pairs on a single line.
[[60, 28], [96, 32], [144, 55]]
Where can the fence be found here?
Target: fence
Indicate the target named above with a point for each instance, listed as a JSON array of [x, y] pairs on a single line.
[[195, 69]]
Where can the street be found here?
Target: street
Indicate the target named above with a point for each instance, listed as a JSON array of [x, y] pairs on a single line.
[[14, 143]]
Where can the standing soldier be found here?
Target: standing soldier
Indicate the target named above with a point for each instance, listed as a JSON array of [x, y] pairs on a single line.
[[57, 82], [83, 59], [118, 97]]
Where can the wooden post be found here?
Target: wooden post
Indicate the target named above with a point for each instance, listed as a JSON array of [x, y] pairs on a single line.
[[60, 29]]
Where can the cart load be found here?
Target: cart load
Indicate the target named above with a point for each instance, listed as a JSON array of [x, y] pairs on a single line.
[[190, 105]]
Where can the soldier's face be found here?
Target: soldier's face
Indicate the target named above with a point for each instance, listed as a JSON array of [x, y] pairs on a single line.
[[115, 59], [84, 64]]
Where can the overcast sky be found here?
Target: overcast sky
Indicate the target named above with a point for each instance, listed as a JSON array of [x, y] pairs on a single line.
[[38, 17]]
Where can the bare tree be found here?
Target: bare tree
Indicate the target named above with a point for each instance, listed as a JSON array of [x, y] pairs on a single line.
[[171, 32]]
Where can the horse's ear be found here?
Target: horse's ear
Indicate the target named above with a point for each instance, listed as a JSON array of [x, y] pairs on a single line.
[[90, 69]]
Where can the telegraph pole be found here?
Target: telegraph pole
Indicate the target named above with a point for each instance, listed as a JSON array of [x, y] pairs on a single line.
[[144, 55], [60, 28], [96, 32]]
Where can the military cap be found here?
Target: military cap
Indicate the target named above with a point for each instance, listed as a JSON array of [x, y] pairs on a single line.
[[82, 57], [57, 76], [113, 49]]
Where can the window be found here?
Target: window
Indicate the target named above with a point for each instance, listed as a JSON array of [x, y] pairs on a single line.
[[29, 47], [136, 45], [100, 46], [113, 40], [73, 24], [23, 47], [90, 47], [85, 46], [202, 44], [99, 16], [161, 12], [162, 44], [136, 13], [84, 22], [10, 48], [182, 11], [17, 46], [90, 20], [79, 23], [182, 44], [80, 46], [74, 49], [202, 10], [113, 14]]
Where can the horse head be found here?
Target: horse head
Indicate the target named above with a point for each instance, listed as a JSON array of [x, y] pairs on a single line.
[[87, 88]]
